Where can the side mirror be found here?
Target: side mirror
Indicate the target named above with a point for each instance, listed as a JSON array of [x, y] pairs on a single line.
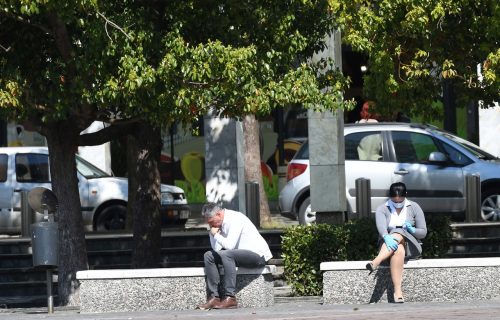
[[437, 157]]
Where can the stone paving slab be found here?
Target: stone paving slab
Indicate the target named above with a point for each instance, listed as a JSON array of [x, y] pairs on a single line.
[[294, 311]]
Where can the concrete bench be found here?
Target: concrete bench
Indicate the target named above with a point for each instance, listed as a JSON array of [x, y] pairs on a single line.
[[348, 282], [166, 289]]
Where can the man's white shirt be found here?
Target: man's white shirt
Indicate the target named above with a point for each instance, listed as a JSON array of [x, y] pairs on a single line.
[[238, 232]]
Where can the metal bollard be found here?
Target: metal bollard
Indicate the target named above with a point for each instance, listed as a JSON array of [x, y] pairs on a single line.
[[363, 198], [252, 202], [473, 198], [26, 214]]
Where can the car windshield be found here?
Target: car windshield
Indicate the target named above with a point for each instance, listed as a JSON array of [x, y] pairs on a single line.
[[88, 170], [472, 148]]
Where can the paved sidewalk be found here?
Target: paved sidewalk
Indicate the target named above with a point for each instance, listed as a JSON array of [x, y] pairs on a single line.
[[298, 309]]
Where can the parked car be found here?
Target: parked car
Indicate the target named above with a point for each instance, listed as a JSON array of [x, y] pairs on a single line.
[[103, 197], [431, 162]]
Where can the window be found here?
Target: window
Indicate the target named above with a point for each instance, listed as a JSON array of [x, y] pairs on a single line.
[[303, 152], [88, 170], [364, 146], [455, 156], [412, 147], [3, 167], [32, 167]]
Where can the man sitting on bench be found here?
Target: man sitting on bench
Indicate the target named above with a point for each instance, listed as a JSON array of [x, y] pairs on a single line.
[[235, 242]]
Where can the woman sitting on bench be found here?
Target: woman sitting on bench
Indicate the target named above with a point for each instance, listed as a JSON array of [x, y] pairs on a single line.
[[400, 224]]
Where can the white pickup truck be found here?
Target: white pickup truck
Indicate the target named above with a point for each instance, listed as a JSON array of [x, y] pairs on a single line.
[[103, 197]]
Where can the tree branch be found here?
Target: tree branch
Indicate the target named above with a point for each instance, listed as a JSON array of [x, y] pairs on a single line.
[[25, 21], [115, 130], [113, 25], [5, 48]]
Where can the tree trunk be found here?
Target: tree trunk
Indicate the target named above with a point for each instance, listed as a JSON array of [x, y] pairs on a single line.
[[449, 105], [253, 170], [62, 140], [147, 227]]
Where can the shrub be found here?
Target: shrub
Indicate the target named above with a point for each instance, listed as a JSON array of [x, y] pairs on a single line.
[[437, 242], [305, 247]]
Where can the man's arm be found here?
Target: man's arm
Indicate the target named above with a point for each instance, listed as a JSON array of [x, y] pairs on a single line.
[[230, 240], [213, 243]]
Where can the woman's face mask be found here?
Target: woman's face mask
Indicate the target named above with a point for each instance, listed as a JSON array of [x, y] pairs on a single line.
[[398, 202]]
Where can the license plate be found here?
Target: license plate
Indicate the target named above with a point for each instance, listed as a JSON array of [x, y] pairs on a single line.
[[184, 214]]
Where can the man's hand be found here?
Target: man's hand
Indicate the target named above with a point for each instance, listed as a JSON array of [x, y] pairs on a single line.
[[214, 230]]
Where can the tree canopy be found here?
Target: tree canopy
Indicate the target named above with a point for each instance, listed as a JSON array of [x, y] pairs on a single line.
[[159, 60], [414, 45], [64, 64]]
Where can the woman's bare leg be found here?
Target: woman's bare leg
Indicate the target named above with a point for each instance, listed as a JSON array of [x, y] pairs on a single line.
[[383, 254], [397, 267], [386, 253]]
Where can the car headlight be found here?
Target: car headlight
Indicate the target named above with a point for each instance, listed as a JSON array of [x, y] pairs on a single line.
[[167, 198]]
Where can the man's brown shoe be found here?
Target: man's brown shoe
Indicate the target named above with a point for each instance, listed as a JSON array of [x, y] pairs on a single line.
[[211, 302], [227, 303]]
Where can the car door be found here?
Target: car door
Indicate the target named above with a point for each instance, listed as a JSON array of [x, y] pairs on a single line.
[[83, 188], [31, 170], [437, 187], [366, 157]]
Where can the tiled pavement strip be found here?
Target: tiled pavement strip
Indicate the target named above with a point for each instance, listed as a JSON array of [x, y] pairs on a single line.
[[294, 309]]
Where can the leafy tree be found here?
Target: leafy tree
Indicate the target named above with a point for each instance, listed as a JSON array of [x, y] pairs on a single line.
[[414, 47], [140, 65]]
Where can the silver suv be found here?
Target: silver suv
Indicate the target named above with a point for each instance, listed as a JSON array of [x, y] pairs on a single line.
[[431, 162]]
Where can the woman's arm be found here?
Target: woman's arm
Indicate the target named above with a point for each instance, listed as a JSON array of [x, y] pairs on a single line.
[[420, 224], [381, 221]]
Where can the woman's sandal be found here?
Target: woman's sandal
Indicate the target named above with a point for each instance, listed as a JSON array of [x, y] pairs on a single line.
[[399, 299], [370, 267]]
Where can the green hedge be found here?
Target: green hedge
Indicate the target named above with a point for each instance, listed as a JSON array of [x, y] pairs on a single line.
[[305, 247], [437, 242]]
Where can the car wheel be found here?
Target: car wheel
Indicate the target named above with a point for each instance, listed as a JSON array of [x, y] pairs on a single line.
[[306, 216], [490, 206], [112, 218]]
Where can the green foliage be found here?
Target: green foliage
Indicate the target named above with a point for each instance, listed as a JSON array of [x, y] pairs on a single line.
[[305, 247], [362, 237], [437, 242], [152, 62], [414, 45], [194, 190], [271, 189]]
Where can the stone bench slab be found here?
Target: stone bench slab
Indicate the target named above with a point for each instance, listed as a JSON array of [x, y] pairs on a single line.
[[166, 289], [348, 282]]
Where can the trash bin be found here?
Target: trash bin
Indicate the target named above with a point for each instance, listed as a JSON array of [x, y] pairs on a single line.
[[45, 236], [45, 242]]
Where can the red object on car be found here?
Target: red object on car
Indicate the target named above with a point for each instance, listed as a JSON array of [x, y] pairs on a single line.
[[294, 170]]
